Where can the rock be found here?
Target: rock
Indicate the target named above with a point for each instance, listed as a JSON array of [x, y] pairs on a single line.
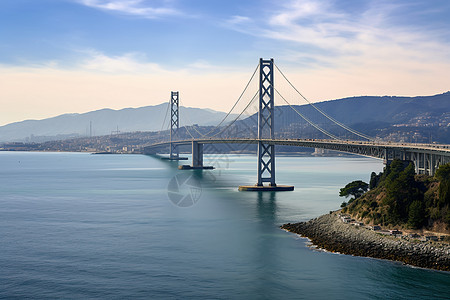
[[329, 233]]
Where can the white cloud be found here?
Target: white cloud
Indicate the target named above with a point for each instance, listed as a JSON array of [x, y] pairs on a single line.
[[333, 36], [241, 24], [135, 63], [311, 22], [128, 63], [131, 7], [294, 11], [238, 20], [99, 81], [365, 51], [131, 80], [202, 65]]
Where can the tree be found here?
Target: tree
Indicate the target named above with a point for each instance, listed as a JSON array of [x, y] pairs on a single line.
[[401, 191], [374, 180], [443, 172], [355, 188], [443, 175], [416, 215]]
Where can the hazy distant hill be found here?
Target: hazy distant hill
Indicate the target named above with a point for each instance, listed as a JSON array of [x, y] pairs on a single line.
[[393, 110], [409, 119], [104, 121]]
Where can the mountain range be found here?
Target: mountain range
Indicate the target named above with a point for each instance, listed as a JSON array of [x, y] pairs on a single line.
[[103, 122], [402, 119]]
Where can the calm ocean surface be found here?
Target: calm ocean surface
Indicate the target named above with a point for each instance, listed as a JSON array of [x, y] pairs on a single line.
[[84, 226]]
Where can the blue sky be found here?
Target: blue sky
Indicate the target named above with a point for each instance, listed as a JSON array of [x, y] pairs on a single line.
[[59, 56]]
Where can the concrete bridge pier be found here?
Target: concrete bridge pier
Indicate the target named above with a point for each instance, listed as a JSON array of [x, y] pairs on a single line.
[[197, 158], [197, 154], [428, 163], [425, 162]]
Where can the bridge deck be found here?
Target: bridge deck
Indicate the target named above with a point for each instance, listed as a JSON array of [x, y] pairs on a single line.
[[426, 157], [312, 143]]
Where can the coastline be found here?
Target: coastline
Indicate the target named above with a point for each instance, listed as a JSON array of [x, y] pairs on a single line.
[[330, 233]]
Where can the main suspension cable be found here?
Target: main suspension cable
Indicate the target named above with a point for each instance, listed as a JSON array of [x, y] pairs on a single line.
[[232, 108], [165, 117], [187, 130], [306, 119], [190, 121], [323, 113], [223, 120], [229, 125]]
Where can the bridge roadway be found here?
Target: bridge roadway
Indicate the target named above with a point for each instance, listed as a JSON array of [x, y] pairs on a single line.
[[426, 157]]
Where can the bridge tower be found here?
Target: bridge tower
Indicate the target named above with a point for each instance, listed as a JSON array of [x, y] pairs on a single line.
[[174, 124], [266, 151], [266, 131]]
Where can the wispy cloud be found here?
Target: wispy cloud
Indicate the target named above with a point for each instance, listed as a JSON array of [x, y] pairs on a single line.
[[128, 63], [202, 65], [238, 20], [374, 47], [97, 80], [142, 8], [135, 63], [329, 33], [242, 24]]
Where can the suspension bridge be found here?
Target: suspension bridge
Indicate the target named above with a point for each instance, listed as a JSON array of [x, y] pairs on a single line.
[[426, 157]]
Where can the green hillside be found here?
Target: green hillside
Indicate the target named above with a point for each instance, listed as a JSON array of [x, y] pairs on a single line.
[[399, 197]]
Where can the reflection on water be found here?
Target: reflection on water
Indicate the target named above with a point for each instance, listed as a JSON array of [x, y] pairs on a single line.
[[267, 207]]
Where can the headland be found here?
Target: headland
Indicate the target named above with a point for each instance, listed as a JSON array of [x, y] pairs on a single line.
[[332, 233]]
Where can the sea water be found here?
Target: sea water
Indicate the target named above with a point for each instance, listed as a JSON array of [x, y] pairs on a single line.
[[82, 226]]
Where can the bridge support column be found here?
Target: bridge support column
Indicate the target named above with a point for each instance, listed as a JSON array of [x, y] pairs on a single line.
[[197, 155], [386, 159], [197, 158], [432, 165], [266, 130]]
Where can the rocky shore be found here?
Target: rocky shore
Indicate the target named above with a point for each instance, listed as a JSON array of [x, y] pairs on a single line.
[[330, 233]]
